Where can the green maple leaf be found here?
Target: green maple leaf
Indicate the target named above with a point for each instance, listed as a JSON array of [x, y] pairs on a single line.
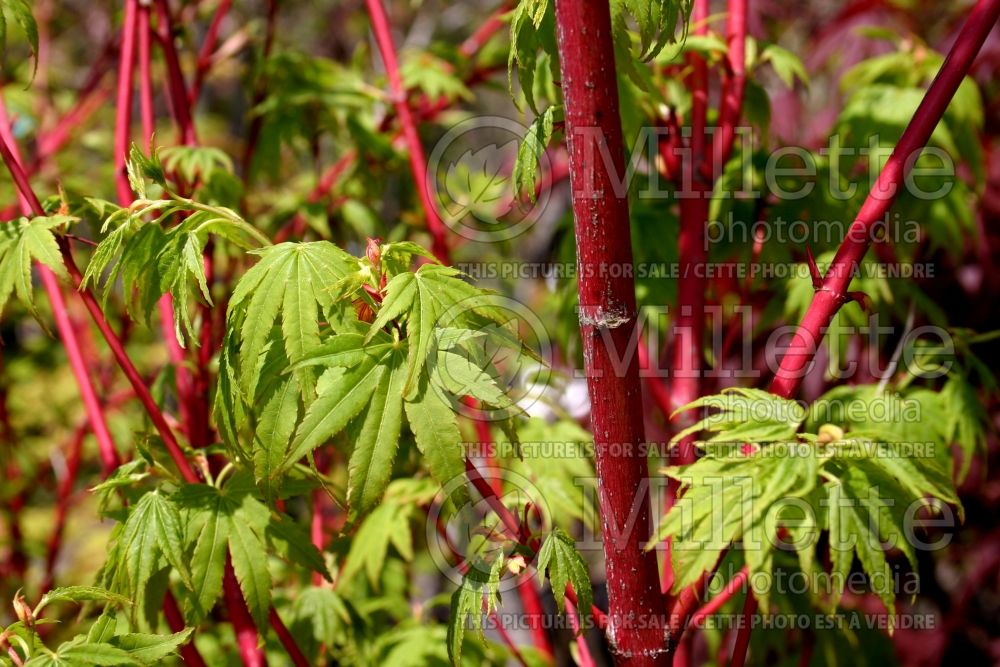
[[23, 242], [433, 296], [150, 535], [478, 594], [293, 280], [360, 371], [745, 415], [153, 259], [560, 560]]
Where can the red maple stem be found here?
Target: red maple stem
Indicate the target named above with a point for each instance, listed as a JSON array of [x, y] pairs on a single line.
[[123, 104], [489, 494], [179, 104], [286, 639], [656, 388], [608, 321], [831, 295], [731, 588], [744, 630], [698, 82], [418, 163], [695, 192], [240, 618], [145, 75], [689, 322], [533, 609], [207, 51], [491, 26], [731, 103], [585, 658], [513, 526], [175, 620], [506, 638]]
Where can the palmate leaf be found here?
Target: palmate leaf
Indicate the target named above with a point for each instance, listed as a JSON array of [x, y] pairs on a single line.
[[560, 560], [233, 520], [371, 387], [152, 259], [151, 535], [723, 496], [786, 64], [78, 652], [745, 415], [657, 23], [478, 595], [368, 388], [967, 420], [194, 163], [432, 296], [23, 242], [293, 280], [150, 649], [388, 524], [359, 372], [740, 493], [432, 76], [563, 484], [871, 488], [328, 614]]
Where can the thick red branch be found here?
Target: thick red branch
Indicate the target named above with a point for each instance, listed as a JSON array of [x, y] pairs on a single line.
[[608, 322]]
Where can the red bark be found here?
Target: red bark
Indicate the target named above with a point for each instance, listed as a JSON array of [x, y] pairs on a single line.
[[608, 322]]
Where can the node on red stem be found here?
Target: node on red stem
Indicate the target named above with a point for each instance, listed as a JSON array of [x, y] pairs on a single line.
[[608, 324]]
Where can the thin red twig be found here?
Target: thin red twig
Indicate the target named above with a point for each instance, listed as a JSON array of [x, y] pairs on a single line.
[[67, 332], [418, 163], [207, 51], [832, 293]]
